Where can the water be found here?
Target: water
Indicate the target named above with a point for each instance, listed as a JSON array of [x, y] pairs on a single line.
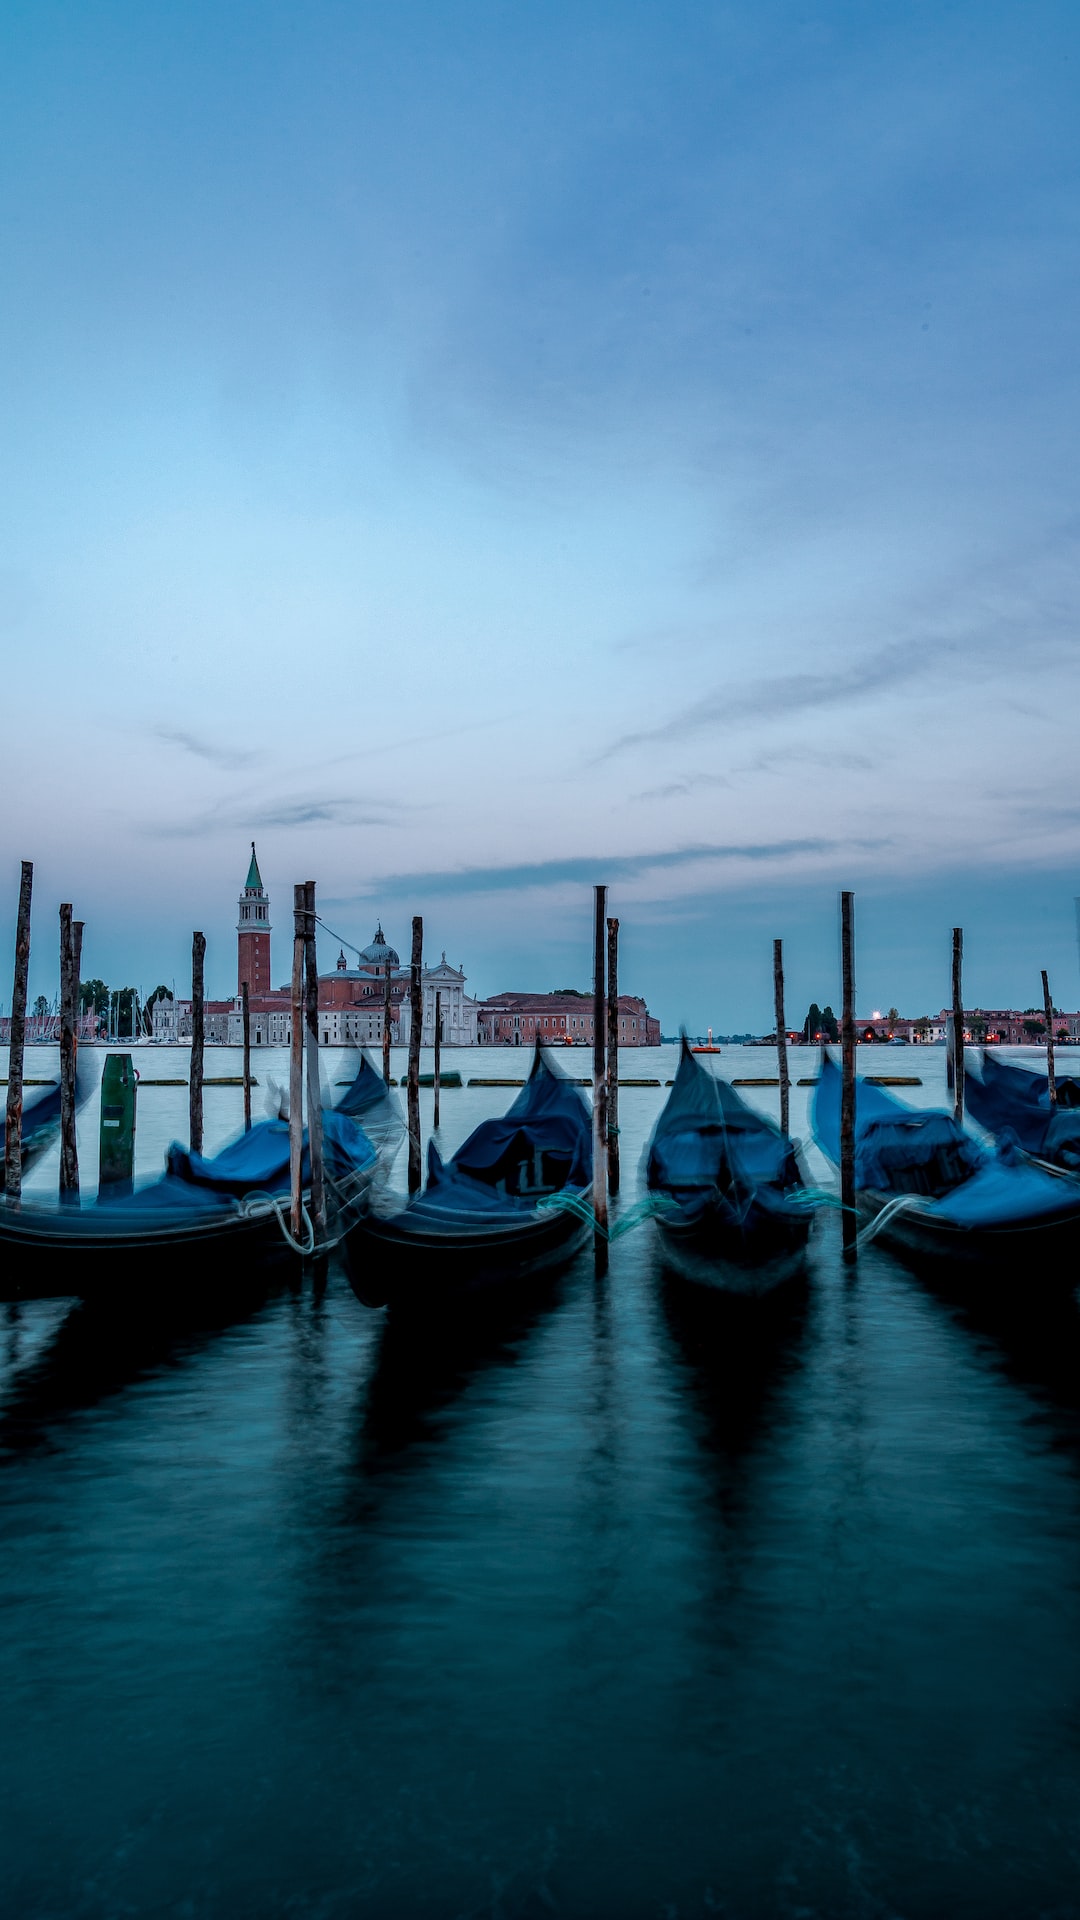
[[632, 1607]]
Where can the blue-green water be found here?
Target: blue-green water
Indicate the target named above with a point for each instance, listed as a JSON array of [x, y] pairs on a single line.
[[632, 1606]]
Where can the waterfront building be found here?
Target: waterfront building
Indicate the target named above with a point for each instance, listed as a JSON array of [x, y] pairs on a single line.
[[459, 1013], [519, 1019]]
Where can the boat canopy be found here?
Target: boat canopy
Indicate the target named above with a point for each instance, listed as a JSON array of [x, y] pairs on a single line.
[[707, 1136], [258, 1162], [1003, 1097], [540, 1146]]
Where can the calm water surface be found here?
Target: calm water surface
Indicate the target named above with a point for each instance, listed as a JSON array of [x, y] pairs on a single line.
[[631, 1606]]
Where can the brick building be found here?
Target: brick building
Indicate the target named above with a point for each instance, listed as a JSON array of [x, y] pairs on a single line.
[[352, 1000], [519, 1019]]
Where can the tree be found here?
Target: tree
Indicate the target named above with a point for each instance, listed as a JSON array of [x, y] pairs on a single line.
[[893, 1016], [813, 1024], [1036, 1028], [922, 1026], [93, 996], [828, 1025], [41, 1007], [977, 1027]]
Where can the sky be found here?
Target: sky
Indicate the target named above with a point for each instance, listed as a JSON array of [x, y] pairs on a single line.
[[480, 451]]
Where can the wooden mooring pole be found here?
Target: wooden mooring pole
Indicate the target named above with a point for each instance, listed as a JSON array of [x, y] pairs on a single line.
[[1051, 1078], [958, 1023], [198, 1042], [314, 1084], [69, 1149], [850, 1225], [438, 1051], [13, 1127], [76, 970], [245, 1028], [416, 1018], [599, 1129], [781, 1034], [296, 1069], [387, 1010], [613, 1056]]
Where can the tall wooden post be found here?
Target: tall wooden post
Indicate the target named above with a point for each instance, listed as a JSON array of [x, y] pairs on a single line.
[[296, 1068], [77, 927], [613, 1056], [1051, 1079], [245, 1029], [781, 1034], [599, 1129], [847, 1083], [314, 1085], [416, 1021], [198, 1042], [438, 1051], [958, 1023], [388, 1008], [69, 1150], [13, 1129]]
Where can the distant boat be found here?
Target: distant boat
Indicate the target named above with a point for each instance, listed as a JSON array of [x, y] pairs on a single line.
[[485, 1222], [704, 1046], [1007, 1099], [934, 1190], [735, 1213]]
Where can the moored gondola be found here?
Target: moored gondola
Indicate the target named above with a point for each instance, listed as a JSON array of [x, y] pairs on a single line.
[[205, 1224], [732, 1209], [932, 1190], [507, 1207], [1010, 1100], [41, 1121]]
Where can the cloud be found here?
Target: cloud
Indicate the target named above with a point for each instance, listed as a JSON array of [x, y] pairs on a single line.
[[605, 869], [675, 789], [771, 697], [227, 758], [782, 758], [257, 816]]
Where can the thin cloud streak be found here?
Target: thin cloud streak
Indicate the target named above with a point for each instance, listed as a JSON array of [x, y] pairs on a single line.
[[606, 868], [227, 758], [336, 811]]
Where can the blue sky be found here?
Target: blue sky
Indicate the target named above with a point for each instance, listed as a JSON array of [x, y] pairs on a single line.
[[482, 450]]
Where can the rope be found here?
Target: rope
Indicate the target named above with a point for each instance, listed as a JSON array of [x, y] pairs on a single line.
[[259, 1206], [902, 1203]]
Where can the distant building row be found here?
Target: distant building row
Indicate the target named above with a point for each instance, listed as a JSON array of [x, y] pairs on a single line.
[[352, 1000], [992, 1027]]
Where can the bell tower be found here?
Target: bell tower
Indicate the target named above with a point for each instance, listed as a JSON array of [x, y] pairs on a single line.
[[253, 933]]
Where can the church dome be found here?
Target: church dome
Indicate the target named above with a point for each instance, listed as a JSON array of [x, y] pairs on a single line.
[[379, 953]]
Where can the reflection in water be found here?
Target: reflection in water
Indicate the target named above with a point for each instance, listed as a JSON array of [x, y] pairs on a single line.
[[635, 1600], [738, 1354], [423, 1365]]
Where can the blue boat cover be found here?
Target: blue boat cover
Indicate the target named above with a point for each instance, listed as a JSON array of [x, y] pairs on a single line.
[[41, 1117], [258, 1162], [901, 1150], [1001, 1096], [707, 1140], [368, 1092], [541, 1146]]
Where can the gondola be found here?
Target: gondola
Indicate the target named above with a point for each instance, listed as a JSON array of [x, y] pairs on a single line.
[[41, 1122], [508, 1206], [934, 1191], [733, 1212], [204, 1224], [1007, 1099]]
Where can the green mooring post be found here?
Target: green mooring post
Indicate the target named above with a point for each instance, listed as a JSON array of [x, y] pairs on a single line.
[[117, 1133]]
